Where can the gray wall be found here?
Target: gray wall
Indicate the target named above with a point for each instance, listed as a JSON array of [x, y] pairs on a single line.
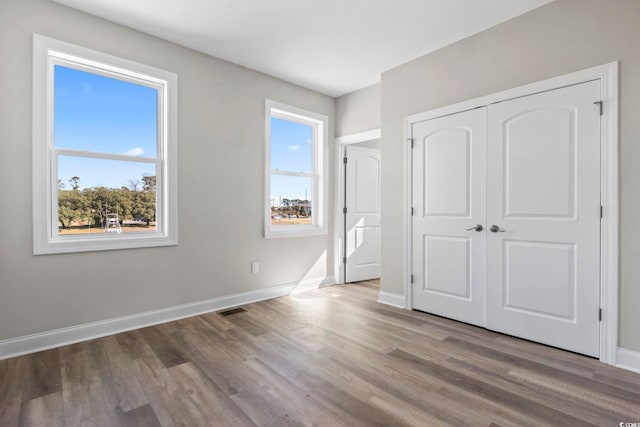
[[221, 152], [558, 38], [358, 111]]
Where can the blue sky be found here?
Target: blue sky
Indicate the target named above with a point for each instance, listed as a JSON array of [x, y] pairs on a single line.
[[101, 114], [290, 151], [95, 113]]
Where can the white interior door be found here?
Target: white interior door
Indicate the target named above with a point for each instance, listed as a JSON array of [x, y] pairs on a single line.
[[448, 255], [543, 192], [362, 219]]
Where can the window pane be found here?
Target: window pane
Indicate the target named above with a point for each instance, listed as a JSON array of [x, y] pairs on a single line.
[[102, 114], [105, 196], [291, 200], [291, 146]]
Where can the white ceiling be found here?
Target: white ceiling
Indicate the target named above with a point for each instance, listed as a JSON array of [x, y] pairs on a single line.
[[331, 46]]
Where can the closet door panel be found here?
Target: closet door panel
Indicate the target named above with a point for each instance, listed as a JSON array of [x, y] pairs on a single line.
[[543, 194], [448, 254]]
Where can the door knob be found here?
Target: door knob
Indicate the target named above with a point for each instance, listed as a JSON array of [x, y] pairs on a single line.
[[494, 229], [478, 227]]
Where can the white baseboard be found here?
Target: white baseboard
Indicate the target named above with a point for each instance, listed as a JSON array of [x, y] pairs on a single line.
[[628, 359], [307, 284], [56, 338], [389, 298]]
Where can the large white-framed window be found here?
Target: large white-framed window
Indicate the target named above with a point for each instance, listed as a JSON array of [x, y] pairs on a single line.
[[295, 171], [104, 151]]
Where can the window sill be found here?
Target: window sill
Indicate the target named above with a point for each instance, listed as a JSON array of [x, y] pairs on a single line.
[[294, 231], [107, 242]]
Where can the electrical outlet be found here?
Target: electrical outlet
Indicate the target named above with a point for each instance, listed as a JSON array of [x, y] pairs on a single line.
[[254, 267]]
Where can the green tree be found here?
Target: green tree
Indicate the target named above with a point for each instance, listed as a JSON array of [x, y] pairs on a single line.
[[149, 182], [134, 184], [144, 206], [72, 206], [75, 182], [100, 200], [123, 203]]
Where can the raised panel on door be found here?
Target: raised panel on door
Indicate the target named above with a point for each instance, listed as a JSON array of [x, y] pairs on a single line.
[[534, 141], [447, 173], [548, 291], [448, 197], [543, 191], [362, 219], [439, 254]]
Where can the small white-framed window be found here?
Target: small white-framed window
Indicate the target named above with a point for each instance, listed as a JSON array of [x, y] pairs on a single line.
[[295, 171], [104, 151]]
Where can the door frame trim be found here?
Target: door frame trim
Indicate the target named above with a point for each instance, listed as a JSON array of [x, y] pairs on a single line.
[[609, 186], [338, 217]]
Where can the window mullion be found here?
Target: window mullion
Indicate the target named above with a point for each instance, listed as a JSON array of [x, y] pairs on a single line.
[[100, 155], [289, 173]]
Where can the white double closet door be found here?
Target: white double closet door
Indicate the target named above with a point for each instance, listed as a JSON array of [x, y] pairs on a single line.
[[506, 224]]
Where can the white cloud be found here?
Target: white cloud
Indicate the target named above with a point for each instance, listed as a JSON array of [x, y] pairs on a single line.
[[308, 141], [294, 147], [137, 151], [86, 88]]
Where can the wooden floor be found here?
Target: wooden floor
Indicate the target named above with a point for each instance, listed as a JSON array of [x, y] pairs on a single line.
[[328, 357]]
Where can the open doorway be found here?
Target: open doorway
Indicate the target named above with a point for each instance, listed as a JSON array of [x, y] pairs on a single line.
[[358, 213]]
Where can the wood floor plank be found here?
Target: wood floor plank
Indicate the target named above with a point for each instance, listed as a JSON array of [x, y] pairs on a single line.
[[248, 324], [367, 387], [118, 375], [218, 321], [352, 409], [229, 373], [42, 375], [327, 357], [44, 410], [84, 395], [169, 354], [484, 371], [169, 401], [306, 407], [142, 416], [549, 371], [490, 392], [380, 388], [10, 414], [591, 397], [11, 372], [133, 345], [217, 407], [382, 372]]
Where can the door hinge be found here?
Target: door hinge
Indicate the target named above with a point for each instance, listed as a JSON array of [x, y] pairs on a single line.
[[600, 315], [344, 260], [600, 104], [344, 210], [410, 141], [411, 211], [412, 278], [344, 160], [601, 211]]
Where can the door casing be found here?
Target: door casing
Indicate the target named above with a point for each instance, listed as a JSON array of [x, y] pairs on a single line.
[[609, 195]]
